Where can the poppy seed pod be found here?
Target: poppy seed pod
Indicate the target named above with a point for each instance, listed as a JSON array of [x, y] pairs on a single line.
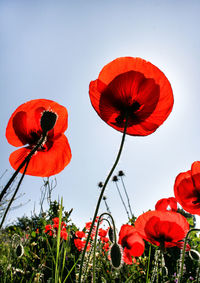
[[115, 179], [121, 173], [111, 234], [48, 121]]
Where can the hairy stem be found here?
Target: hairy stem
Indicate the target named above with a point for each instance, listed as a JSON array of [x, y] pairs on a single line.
[[13, 197], [100, 198], [22, 165]]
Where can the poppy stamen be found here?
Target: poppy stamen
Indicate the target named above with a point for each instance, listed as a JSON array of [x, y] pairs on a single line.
[[130, 110]]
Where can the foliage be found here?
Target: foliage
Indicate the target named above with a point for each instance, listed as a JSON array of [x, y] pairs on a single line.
[[28, 254]]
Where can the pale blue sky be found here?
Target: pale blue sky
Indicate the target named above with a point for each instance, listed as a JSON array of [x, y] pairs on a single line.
[[53, 49]]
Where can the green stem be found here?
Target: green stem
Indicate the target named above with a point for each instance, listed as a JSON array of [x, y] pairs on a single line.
[[66, 245], [95, 241], [13, 197], [22, 165], [147, 277], [162, 248], [71, 270], [183, 254], [100, 198], [58, 242]]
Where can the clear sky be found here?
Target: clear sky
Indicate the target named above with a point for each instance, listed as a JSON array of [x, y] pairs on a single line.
[[53, 49]]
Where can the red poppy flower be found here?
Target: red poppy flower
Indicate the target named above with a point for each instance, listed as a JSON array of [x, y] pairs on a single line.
[[187, 189], [80, 234], [131, 242], [166, 204], [88, 225], [102, 233], [106, 247], [24, 127], [104, 239], [63, 234], [133, 87], [55, 220], [48, 229], [81, 244], [162, 227]]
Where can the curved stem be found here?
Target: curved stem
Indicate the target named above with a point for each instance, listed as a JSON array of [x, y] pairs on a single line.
[[16, 190], [95, 241], [100, 198], [183, 254], [22, 165]]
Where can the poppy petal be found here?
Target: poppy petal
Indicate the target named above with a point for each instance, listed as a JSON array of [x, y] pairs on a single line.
[[186, 194], [44, 163], [166, 204], [130, 240], [30, 113], [195, 171]]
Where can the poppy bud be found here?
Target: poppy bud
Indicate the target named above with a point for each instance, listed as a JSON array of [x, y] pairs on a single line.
[[194, 255], [19, 250], [48, 121], [110, 234], [116, 255]]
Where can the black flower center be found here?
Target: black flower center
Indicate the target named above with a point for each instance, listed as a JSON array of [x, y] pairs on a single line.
[[34, 137], [129, 110], [197, 196]]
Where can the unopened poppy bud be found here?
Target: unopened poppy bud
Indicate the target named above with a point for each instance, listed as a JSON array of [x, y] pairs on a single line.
[[194, 255], [48, 121], [19, 250], [116, 255], [114, 179], [111, 234]]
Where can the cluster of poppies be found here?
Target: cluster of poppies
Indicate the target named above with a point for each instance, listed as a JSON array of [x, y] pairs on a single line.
[[81, 236], [163, 227], [52, 230], [134, 97]]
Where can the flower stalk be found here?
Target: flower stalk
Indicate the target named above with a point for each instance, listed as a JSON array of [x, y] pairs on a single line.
[[13, 197], [27, 159], [180, 275], [95, 240], [101, 196]]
